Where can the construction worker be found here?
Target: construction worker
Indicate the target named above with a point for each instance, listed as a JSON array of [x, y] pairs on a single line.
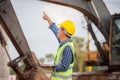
[[64, 59]]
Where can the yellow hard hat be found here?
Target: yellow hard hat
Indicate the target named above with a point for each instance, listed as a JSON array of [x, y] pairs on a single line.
[[69, 26]]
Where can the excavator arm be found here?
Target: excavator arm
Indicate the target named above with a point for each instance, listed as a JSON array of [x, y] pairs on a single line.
[[12, 27], [10, 24]]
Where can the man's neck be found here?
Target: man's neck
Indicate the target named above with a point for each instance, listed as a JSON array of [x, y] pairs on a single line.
[[63, 39]]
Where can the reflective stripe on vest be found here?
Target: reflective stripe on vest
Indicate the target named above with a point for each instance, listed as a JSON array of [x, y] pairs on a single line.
[[63, 76]]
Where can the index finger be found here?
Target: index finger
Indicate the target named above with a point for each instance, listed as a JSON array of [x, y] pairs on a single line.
[[44, 13]]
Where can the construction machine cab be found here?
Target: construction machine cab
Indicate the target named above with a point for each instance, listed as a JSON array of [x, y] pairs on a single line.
[[115, 40]]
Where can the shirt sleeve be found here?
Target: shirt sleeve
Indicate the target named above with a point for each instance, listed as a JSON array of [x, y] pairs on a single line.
[[66, 60], [54, 29]]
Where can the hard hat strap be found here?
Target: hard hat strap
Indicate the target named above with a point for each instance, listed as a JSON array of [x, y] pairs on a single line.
[[69, 35]]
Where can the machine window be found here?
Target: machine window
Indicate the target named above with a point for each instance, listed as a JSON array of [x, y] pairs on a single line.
[[117, 22]]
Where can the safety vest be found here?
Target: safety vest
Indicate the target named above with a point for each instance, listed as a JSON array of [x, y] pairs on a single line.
[[63, 75]]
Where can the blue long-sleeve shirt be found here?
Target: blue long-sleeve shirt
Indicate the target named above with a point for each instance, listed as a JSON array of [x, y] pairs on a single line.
[[67, 56]]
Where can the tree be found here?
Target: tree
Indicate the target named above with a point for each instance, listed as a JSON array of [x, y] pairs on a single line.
[[79, 58], [49, 57], [41, 60]]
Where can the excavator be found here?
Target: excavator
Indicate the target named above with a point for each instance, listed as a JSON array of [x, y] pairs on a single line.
[[95, 12]]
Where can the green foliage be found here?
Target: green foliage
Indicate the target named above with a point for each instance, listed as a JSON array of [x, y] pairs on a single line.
[[42, 60], [12, 72], [50, 56], [21, 65], [79, 59], [78, 44]]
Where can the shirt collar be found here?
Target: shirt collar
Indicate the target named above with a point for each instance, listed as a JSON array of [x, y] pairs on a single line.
[[62, 43]]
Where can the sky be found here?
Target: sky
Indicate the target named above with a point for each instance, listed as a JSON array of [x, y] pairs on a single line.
[[113, 6], [40, 38]]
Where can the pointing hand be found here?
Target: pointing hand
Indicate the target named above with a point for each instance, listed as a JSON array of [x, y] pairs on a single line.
[[46, 17]]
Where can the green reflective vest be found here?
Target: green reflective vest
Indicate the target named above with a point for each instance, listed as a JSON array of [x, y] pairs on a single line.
[[64, 75]]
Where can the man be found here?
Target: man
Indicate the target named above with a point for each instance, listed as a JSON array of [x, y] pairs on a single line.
[[64, 59]]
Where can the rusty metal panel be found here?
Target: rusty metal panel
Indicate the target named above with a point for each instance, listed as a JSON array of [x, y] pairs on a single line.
[[100, 75], [92, 55]]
